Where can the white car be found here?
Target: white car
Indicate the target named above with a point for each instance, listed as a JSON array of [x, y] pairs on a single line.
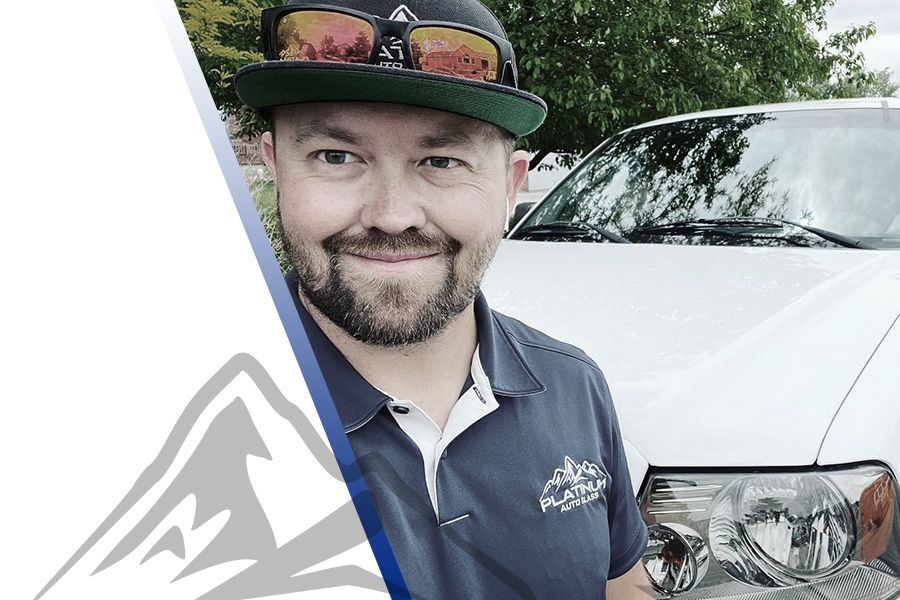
[[734, 274]]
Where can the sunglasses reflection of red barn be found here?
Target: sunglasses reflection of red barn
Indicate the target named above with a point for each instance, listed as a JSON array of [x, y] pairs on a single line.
[[299, 48], [462, 62]]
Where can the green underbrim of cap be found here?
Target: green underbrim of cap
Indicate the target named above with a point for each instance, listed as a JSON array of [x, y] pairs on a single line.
[[277, 83]]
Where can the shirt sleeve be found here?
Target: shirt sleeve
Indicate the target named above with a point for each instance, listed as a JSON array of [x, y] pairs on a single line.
[[627, 531]]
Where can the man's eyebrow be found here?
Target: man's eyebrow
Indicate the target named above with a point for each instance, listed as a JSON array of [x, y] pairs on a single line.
[[444, 139], [314, 129]]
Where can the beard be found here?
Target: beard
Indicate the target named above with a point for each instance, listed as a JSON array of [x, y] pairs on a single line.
[[384, 311]]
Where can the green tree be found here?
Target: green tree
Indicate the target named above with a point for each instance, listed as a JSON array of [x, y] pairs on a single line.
[[603, 65], [362, 47], [225, 36], [327, 47], [869, 84], [877, 84]]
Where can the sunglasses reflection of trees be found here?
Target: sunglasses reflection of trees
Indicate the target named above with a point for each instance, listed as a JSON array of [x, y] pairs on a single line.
[[674, 173], [248, 533]]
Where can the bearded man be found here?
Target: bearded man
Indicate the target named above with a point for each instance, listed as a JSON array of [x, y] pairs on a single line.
[[491, 450]]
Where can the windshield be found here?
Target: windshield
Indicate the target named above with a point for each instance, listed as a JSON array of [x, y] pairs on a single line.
[[836, 170]]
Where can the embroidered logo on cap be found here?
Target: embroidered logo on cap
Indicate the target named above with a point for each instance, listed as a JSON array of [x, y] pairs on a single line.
[[402, 13], [573, 485], [391, 54]]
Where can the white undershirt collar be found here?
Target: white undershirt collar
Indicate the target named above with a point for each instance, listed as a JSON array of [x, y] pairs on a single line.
[[474, 404]]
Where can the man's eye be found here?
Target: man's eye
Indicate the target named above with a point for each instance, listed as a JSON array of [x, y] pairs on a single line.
[[335, 157], [442, 162]]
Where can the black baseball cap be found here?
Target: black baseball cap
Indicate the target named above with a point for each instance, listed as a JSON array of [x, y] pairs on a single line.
[[272, 83]]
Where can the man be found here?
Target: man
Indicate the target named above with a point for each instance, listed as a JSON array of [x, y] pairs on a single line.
[[492, 451]]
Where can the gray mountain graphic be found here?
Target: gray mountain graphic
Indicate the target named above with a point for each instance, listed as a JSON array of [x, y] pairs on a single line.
[[216, 475]]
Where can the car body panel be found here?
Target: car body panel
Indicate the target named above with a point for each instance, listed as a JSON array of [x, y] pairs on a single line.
[[716, 356], [847, 103], [637, 465], [868, 423]]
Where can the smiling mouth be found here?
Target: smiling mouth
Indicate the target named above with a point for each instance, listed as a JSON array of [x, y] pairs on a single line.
[[391, 265], [394, 258]]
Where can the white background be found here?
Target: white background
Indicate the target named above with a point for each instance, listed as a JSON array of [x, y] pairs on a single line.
[[128, 279]]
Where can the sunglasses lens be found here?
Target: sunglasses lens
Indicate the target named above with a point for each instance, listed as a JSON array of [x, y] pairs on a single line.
[[324, 36], [454, 52]]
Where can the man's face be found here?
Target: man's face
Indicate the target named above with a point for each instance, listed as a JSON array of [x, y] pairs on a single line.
[[390, 213]]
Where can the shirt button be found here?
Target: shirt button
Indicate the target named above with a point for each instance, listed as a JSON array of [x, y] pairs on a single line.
[[400, 410]]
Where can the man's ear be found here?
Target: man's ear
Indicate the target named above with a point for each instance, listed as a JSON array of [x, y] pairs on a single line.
[[267, 145], [517, 173]]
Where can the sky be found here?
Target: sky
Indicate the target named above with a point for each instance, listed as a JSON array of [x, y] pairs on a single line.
[[882, 50]]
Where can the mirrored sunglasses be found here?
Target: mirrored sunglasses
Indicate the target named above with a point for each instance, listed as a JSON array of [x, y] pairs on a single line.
[[328, 34]]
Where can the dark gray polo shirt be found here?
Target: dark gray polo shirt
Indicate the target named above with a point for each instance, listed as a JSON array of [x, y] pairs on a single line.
[[533, 499]]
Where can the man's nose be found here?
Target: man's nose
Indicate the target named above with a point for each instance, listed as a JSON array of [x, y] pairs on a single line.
[[392, 205]]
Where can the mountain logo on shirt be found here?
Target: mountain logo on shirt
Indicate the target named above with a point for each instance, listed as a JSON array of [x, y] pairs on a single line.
[[573, 485]]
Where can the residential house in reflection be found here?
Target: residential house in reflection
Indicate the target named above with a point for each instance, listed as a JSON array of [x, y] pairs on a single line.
[[461, 62]]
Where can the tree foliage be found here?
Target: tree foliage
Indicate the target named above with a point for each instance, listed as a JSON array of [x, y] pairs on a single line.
[[603, 65], [225, 37], [868, 84]]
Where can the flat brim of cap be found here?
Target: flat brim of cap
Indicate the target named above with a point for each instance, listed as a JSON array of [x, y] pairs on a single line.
[[277, 83]]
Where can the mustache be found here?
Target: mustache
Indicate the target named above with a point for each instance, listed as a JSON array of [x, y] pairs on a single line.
[[378, 242]]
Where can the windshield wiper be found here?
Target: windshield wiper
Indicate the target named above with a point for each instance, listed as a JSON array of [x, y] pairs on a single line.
[[721, 226], [572, 228]]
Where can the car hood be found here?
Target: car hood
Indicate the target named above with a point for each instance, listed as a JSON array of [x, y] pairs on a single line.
[[716, 356]]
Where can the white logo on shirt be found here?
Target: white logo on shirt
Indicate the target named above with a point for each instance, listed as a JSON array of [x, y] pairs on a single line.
[[573, 485]]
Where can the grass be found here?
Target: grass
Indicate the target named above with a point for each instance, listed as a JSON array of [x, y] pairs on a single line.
[[263, 193]]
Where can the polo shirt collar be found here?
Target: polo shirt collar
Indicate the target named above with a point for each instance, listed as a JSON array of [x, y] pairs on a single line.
[[357, 401]]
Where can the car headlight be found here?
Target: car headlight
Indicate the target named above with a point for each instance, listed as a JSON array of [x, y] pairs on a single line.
[[823, 535]]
